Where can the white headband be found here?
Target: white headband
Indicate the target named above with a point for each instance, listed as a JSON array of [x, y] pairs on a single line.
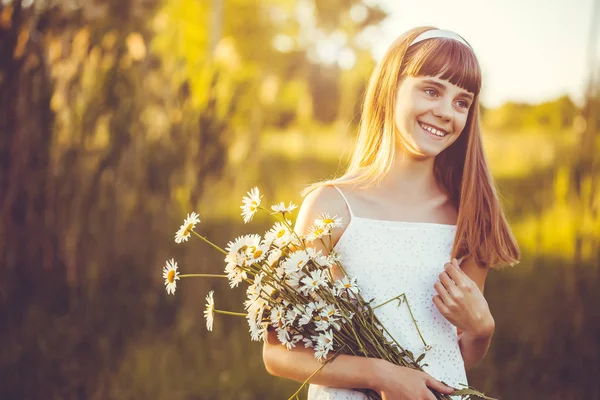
[[439, 33]]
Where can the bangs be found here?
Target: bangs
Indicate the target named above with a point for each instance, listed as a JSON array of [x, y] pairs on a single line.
[[447, 59]]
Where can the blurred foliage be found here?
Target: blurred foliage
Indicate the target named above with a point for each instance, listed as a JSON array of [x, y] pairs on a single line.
[[118, 117], [553, 115]]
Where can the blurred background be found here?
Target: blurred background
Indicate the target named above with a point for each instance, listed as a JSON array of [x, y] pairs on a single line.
[[118, 117]]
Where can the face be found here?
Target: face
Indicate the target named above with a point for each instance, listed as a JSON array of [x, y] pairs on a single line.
[[430, 114]]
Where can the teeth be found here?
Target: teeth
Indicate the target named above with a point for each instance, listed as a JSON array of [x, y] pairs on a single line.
[[433, 130]]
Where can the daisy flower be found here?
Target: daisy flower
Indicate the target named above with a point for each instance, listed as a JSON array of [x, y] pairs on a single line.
[[294, 278], [329, 222], [324, 344], [171, 275], [315, 280], [297, 338], [326, 340], [256, 253], [290, 316], [209, 312], [235, 274], [255, 323], [346, 283], [274, 256], [307, 343], [315, 232], [330, 312], [318, 257], [250, 204], [283, 209], [279, 235], [309, 309], [284, 338], [322, 325], [334, 257], [254, 290], [296, 261], [277, 315], [255, 304], [185, 231], [237, 250], [238, 256]]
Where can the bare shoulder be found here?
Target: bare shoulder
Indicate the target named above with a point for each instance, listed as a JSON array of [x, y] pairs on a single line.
[[324, 199]]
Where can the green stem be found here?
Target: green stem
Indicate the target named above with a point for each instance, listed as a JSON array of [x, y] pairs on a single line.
[[403, 295], [202, 276], [414, 321], [337, 353], [389, 301], [230, 313], [211, 243]]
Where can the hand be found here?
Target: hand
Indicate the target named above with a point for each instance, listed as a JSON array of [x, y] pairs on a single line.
[[461, 302], [394, 382]]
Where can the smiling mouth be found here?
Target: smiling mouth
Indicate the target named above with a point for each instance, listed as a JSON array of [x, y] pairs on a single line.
[[432, 130]]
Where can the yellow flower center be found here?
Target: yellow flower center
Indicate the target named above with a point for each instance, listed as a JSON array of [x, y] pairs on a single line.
[[280, 233], [257, 253], [188, 229], [171, 276], [328, 221]]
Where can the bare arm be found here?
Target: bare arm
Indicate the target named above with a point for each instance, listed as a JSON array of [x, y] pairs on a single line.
[[473, 348], [474, 345], [300, 363]]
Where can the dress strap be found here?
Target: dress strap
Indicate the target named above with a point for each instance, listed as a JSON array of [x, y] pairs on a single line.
[[346, 200]]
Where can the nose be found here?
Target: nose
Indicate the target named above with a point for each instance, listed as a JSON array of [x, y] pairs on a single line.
[[443, 110]]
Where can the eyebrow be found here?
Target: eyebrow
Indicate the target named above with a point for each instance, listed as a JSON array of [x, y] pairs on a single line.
[[442, 86]]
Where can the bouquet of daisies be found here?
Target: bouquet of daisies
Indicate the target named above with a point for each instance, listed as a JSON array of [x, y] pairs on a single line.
[[291, 288]]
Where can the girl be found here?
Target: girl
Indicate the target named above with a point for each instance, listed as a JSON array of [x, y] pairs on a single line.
[[421, 217]]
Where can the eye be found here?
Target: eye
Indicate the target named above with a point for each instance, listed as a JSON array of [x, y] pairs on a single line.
[[431, 92], [463, 104]]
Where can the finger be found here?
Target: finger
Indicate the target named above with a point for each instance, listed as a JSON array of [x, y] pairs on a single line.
[[446, 281], [443, 293], [455, 273], [439, 386], [440, 305], [453, 290]]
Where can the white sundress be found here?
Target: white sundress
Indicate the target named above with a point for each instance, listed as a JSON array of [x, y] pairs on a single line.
[[389, 258]]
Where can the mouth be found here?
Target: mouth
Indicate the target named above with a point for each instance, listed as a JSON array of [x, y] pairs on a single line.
[[432, 130]]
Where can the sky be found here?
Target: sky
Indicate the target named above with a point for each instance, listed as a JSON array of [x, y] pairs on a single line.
[[529, 50]]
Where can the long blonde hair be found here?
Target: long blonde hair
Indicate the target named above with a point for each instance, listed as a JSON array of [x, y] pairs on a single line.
[[461, 169]]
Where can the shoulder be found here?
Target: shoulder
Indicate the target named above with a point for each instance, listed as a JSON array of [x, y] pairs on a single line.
[[324, 199]]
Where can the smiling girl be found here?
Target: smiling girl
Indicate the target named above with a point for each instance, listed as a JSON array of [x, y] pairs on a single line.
[[421, 217]]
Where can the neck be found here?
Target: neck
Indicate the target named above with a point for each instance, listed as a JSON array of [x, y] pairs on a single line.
[[413, 178]]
